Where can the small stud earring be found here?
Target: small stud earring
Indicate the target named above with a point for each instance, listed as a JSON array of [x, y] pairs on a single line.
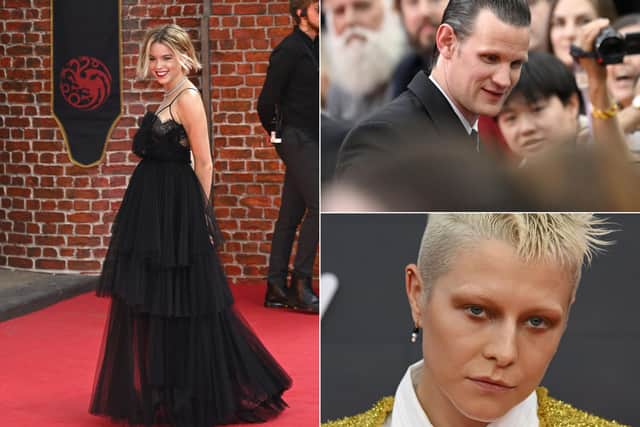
[[414, 334]]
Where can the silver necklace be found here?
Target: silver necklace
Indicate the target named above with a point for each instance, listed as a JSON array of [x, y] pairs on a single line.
[[176, 87]]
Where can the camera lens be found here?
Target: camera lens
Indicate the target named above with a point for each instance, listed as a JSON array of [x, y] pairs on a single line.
[[609, 46]]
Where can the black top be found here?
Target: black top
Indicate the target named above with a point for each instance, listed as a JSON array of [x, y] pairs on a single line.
[[292, 83]]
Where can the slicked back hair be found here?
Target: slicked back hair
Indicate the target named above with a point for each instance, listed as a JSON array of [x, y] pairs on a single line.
[[569, 240], [461, 15]]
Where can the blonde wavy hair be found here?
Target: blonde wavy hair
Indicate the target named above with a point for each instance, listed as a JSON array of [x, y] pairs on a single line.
[[570, 240], [177, 40]]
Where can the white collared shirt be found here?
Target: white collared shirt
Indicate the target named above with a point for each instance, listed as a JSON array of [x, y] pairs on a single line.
[[407, 411], [467, 126]]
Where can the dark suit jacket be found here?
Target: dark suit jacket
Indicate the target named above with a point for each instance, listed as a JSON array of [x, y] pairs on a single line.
[[333, 132], [420, 115]]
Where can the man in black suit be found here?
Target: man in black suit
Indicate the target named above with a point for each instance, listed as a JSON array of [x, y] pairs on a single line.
[[290, 96], [481, 46]]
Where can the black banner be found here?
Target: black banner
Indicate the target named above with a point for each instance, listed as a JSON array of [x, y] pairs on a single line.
[[86, 76]]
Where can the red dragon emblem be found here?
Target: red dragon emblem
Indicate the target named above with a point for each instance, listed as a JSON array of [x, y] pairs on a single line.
[[85, 82]]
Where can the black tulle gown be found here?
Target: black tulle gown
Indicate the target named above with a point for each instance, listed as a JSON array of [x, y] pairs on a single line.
[[175, 351]]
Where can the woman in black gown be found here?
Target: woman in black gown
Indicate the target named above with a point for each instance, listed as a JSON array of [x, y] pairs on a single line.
[[175, 350]]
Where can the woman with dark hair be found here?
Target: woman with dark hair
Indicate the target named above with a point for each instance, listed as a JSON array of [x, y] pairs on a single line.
[[568, 16]]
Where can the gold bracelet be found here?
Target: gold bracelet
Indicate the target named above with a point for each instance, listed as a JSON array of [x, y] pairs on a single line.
[[605, 114]]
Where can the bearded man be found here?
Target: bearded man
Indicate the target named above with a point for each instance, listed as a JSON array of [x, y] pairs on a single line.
[[365, 42]]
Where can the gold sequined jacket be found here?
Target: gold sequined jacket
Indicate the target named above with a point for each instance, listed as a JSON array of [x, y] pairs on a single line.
[[551, 413]]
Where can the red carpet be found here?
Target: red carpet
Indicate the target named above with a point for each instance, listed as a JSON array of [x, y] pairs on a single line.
[[48, 360]]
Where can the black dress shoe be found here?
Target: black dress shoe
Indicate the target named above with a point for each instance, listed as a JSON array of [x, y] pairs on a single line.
[[276, 296], [301, 295]]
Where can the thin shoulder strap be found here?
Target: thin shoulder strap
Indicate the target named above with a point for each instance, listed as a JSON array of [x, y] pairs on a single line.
[[176, 97]]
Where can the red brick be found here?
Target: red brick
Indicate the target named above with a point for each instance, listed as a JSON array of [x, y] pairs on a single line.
[[83, 217], [251, 259], [269, 177], [48, 193], [50, 264], [228, 81], [255, 201], [217, 9], [34, 252], [65, 229], [48, 170], [256, 225], [14, 250], [22, 239], [65, 252], [23, 216], [81, 205], [83, 241], [83, 229], [84, 265], [19, 262], [244, 33], [117, 193], [83, 253], [278, 8], [75, 193], [49, 240]]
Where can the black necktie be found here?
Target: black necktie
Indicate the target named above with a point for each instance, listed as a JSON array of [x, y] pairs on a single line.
[[475, 139]]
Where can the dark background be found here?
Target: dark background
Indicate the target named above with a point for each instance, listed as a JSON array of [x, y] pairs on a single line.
[[365, 331]]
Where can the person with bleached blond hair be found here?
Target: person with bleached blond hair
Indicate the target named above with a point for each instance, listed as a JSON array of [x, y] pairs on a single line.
[[491, 294]]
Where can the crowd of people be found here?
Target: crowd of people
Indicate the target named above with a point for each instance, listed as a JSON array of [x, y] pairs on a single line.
[[426, 102]]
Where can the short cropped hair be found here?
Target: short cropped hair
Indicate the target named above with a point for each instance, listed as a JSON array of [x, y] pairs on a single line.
[[542, 77], [295, 5], [461, 15], [566, 239], [176, 39]]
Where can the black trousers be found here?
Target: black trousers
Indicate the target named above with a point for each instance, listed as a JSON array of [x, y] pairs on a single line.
[[300, 205]]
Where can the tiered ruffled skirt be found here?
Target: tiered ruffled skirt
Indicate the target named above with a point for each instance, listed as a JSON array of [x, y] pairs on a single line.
[[175, 351]]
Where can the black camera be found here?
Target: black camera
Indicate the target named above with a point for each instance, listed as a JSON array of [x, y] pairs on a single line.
[[610, 47]]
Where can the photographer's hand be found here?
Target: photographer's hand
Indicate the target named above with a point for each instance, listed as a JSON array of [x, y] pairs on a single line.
[[596, 73], [605, 126]]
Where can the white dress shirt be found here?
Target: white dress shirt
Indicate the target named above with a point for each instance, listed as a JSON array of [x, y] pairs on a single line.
[[467, 126], [407, 411]]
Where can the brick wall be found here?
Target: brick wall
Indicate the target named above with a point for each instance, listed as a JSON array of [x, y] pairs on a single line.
[[55, 216]]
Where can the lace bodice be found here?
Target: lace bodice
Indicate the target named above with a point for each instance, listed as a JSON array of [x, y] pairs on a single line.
[[163, 141]]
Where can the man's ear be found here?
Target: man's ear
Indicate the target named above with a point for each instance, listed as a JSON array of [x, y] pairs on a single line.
[[415, 292], [301, 13], [446, 40]]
